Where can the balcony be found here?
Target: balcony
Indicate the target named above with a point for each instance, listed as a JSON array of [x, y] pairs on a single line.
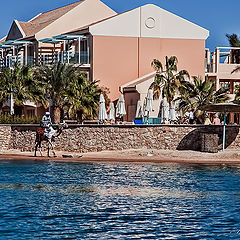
[[70, 49], [222, 62], [65, 57], [10, 61], [62, 48]]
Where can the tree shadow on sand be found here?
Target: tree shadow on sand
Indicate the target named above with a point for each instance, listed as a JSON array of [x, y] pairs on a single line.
[[192, 141]]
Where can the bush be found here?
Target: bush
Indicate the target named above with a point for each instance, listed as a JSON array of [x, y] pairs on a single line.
[[8, 119]]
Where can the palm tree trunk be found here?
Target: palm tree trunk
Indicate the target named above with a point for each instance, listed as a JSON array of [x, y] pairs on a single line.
[[56, 115], [80, 116]]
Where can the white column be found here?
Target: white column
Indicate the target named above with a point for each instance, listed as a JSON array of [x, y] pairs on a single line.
[[217, 56], [26, 54], [36, 111], [88, 50], [79, 55], [11, 104]]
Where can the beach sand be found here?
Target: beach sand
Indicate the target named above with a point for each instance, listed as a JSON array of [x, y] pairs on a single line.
[[132, 155]]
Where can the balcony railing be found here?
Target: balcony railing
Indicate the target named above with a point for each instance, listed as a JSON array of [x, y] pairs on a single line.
[[222, 60], [65, 57], [10, 61]]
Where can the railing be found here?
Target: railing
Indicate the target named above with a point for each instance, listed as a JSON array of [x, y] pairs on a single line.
[[65, 57], [10, 61], [222, 60]]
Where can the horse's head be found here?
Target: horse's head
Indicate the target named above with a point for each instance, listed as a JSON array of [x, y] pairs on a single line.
[[59, 128], [63, 125]]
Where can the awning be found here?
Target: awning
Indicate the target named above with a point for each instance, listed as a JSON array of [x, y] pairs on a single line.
[[11, 43], [50, 40], [29, 104], [69, 37]]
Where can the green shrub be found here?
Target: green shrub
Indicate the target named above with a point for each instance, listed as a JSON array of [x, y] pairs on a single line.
[[8, 119]]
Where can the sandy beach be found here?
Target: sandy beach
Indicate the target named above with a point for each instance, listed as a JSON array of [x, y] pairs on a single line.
[[132, 155]]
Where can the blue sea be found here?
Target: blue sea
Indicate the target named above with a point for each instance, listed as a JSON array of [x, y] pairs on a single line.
[[47, 200]]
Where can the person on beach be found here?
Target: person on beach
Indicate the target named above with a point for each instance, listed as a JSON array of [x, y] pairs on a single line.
[[207, 121], [216, 120], [191, 117], [46, 124]]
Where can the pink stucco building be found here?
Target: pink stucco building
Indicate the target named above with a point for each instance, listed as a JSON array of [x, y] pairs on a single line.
[[116, 49]]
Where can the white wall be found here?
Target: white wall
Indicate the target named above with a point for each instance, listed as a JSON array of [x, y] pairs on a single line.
[[149, 21]]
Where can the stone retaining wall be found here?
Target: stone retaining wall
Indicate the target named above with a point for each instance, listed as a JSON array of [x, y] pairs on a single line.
[[5, 136], [118, 137]]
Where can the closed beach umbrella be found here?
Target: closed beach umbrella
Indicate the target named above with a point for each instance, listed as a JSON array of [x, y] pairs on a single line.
[[120, 107], [112, 112], [148, 106], [172, 112], [165, 109], [102, 115], [139, 112]]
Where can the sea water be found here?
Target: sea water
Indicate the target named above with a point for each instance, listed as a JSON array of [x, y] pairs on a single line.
[[118, 201]]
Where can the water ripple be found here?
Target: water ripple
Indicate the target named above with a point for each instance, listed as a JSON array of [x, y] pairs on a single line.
[[118, 201]]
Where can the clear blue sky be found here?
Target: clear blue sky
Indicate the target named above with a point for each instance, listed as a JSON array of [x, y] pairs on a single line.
[[213, 15]]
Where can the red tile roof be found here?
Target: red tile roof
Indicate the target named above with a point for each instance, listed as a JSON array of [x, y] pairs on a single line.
[[44, 19]]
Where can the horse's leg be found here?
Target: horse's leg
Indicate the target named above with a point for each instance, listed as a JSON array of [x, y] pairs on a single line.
[[40, 147], [48, 148], [51, 144], [36, 146]]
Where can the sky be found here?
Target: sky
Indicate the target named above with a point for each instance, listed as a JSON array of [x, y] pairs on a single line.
[[213, 15]]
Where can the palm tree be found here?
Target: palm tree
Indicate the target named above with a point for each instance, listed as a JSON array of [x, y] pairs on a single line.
[[83, 97], [234, 41], [237, 94], [53, 83], [196, 94], [167, 80], [16, 82]]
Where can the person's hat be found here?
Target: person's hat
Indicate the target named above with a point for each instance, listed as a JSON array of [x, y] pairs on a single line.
[[47, 113]]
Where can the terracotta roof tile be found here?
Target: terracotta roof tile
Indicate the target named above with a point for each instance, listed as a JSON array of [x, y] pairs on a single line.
[[3, 39], [44, 19]]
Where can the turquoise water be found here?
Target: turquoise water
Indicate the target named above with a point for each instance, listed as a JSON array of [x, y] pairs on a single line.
[[118, 201]]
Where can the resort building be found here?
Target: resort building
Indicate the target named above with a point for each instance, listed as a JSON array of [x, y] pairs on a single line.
[[221, 67], [116, 49], [22, 43]]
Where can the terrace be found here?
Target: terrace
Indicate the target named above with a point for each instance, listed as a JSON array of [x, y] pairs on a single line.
[[221, 64], [70, 49], [12, 52]]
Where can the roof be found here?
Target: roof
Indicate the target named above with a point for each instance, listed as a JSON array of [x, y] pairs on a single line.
[[146, 21], [92, 24], [134, 83], [44, 19], [3, 39], [149, 21]]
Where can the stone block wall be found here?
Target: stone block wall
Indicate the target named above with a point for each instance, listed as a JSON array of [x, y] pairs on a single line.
[[94, 138], [5, 136]]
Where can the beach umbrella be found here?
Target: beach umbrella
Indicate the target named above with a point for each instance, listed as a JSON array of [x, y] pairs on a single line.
[[102, 115], [120, 107], [148, 103], [172, 112], [139, 112], [112, 112], [165, 109], [222, 108]]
